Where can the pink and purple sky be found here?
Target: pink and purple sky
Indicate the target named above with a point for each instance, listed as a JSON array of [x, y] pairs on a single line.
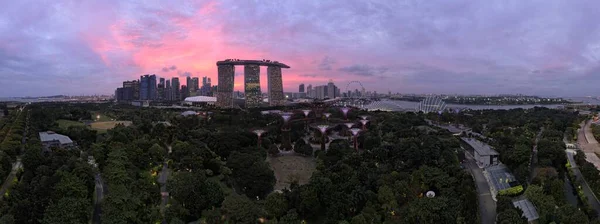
[[543, 47]]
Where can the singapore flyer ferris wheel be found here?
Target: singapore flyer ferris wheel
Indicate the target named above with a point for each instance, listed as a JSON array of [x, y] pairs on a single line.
[[355, 89]]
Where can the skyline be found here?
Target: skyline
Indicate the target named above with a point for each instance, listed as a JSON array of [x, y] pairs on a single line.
[[463, 47]]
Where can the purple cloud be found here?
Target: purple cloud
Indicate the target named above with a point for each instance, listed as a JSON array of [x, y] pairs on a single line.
[[463, 46]]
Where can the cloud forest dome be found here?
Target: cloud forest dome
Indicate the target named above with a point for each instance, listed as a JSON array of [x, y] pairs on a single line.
[[431, 104]]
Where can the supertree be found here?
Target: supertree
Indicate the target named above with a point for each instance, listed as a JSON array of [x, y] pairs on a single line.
[[285, 131], [345, 112], [259, 133], [349, 126], [364, 123], [327, 115], [323, 129], [306, 113], [355, 132]]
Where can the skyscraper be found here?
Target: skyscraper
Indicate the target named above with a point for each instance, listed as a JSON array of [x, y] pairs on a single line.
[[275, 85], [331, 90], [195, 86], [226, 74], [161, 89], [185, 92], [175, 91], [309, 91], [135, 86], [168, 91], [252, 85], [189, 82], [301, 88], [148, 87]]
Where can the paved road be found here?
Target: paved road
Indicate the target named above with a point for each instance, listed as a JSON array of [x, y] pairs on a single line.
[[162, 180], [584, 185], [487, 205], [100, 191]]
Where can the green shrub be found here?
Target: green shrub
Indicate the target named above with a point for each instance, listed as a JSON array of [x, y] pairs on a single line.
[[513, 191]]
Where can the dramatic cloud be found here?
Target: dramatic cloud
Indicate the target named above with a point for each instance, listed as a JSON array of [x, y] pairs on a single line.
[[167, 69], [364, 70], [326, 63], [464, 46]]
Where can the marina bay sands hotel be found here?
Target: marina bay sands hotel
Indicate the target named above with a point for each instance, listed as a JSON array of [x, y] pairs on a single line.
[[251, 82]]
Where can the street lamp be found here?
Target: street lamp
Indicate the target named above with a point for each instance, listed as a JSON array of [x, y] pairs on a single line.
[[345, 111], [323, 129], [259, 133], [355, 132], [364, 117]]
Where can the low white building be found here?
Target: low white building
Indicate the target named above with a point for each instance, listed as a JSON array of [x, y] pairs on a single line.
[[484, 154], [51, 139], [200, 100]]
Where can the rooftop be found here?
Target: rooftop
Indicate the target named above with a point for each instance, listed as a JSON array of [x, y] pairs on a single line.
[[480, 147], [201, 99], [49, 136], [501, 177], [189, 112], [252, 62], [528, 209]]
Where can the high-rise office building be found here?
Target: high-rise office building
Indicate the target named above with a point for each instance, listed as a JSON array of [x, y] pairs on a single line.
[[309, 91], [195, 86], [161, 89], [175, 89], [135, 86], [301, 88], [185, 92], [148, 87], [168, 90], [331, 90], [252, 85]]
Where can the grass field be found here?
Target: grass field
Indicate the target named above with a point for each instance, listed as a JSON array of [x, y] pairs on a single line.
[[64, 124], [105, 125], [291, 167], [100, 117]]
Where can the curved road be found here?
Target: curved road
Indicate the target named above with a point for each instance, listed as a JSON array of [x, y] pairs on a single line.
[[487, 205], [585, 144]]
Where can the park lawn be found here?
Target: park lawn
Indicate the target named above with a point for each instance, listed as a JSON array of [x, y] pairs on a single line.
[[105, 125], [100, 117], [64, 124]]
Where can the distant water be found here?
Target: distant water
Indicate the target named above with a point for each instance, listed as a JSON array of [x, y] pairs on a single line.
[[18, 99], [400, 105]]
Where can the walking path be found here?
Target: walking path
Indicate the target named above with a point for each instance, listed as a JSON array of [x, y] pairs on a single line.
[[162, 180], [534, 157], [17, 165]]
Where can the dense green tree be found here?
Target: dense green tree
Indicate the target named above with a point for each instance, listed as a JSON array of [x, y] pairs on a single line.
[[239, 209], [276, 205], [194, 193], [251, 174], [68, 210]]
